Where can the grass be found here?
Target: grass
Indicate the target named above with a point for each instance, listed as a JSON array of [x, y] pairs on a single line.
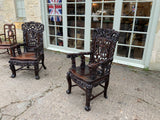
[[146, 69]]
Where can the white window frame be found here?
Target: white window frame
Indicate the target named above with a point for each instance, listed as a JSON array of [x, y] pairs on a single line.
[[20, 9], [149, 41]]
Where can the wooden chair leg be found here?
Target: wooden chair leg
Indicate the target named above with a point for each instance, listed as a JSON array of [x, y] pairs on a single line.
[[69, 83], [7, 51], [88, 99], [12, 67], [106, 87], [36, 69], [43, 62]]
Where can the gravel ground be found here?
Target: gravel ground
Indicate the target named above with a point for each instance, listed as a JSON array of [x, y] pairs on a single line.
[[133, 94]]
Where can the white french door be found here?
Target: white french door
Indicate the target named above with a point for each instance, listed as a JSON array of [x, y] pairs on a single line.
[[70, 24], [65, 22]]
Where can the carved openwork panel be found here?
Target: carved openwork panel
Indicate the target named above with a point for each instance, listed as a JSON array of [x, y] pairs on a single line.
[[103, 44], [32, 34]]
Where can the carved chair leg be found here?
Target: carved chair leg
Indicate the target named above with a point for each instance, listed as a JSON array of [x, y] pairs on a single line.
[[36, 69], [12, 67], [106, 87], [7, 51], [69, 83], [88, 99], [43, 62], [10, 52]]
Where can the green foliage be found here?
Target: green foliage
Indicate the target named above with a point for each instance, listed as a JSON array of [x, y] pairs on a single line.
[[146, 69]]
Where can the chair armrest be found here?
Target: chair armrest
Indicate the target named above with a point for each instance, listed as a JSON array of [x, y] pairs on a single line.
[[105, 62], [74, 55], [2, 34], [77, 54], [16, 46], [93, 67]]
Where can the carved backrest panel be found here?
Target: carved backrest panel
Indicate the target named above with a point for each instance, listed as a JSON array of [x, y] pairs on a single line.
[[32, 35], [103, 44], [10, 33]]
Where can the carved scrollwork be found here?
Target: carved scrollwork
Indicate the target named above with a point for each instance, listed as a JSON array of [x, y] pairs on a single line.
[[80, 82]]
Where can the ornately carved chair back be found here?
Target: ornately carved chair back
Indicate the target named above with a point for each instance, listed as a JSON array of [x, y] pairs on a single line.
[[32, 35], [103, 46], [10, 33]]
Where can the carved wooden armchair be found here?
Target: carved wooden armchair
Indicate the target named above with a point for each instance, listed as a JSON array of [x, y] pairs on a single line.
[[98, 70], [33, 54], [8, 38]]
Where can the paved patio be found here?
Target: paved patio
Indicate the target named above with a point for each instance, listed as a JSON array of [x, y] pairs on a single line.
[[133, 94]]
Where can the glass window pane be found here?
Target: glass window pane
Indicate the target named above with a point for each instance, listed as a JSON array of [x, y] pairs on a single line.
[[51, 20], [141, 24], [136, 53], [144, 9], [18, 4], [22, 3], [52, 40], [71, 43], [58, 20], [108, 9], [80, 9], [122, 51], [51, 9], [80, 44], [96, 8], [107, 22], [126, 24], [80, 21], [71, 9], [71, 20], [128, 8], [80, 33], [59, 31], [139, 39], [59, 41], [58, 9], [124, 38], [71, 32], [23, 12], [96, 22], [19, 13], [52, 30]]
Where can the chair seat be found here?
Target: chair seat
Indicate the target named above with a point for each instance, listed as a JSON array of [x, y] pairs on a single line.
[[25, 56], [5, 43], [84, 75]]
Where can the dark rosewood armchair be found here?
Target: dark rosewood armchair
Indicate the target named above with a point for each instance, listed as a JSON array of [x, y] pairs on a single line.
[[8, 38], [98, 70], [33, 54]]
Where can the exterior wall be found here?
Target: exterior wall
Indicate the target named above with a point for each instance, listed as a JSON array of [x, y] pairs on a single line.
[[8, 14], [33, 13], [155, 58]]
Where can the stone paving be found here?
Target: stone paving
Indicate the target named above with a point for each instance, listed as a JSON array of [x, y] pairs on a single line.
[[133, 94]]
